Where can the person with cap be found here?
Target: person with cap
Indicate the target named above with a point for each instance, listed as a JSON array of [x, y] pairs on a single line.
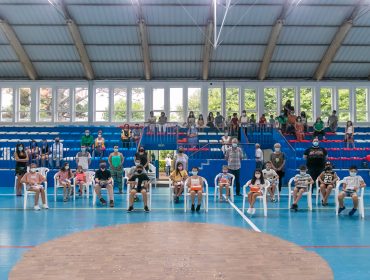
[[234, 156], [316, 158], [327, 181]]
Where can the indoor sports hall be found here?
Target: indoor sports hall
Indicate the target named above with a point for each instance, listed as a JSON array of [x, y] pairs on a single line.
[[184, 139]]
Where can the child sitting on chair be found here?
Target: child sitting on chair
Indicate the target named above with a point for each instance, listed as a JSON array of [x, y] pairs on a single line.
[[178, 178], [270, 175], [351, 184], [256, 189], [327, 180], [195, 185], [65, 176], [80, 179], [33, 181], [302, 181], [224, 181]]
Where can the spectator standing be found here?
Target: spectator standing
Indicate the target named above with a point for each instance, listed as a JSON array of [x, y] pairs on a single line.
[[349, 132], [333, 121], [116, 160], [234, 156], [219, 121], [243, 120], [21, 160], [126, 136], [316, 158], [168, 162], [57, 152], [278, 161], [259, 157], [181, 157], [142, 155], [83, 158]]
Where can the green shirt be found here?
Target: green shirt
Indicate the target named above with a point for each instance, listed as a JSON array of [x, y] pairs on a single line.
[[318, 126], [87, 140]]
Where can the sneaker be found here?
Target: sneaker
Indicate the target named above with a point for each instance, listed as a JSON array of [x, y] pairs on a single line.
[[249, 211], [37, 208], [323, 203], [111, 203], [253, 211], [45, 206], [130, 209], [136, 199], [65, 199], [192, 207], [146, 208], [103, 202], [177, 199], [120, 192], [198, 208], [353, 211], [341, 209], [294, 207]]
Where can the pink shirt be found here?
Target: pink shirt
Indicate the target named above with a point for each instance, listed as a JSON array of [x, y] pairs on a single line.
[[63, 175], [33, 178]]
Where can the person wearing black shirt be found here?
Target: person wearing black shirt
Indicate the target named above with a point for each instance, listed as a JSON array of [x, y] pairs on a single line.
[[139, 183], [143, 157], [103, 179], [316, 158], [327, 181]]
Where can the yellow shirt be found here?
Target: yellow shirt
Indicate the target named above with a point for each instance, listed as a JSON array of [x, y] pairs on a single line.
[[178, 177]]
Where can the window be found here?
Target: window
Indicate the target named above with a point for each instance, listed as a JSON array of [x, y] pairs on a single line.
[[176, 105], [63, 105], [326, 102], [344, 105], [137, 104], [81, 104], [24, 104], [102, 104], [232, 101], [194, 100], [120, 105], [6, 99], [250, 100], [158, 101], [287, 94], [270, 101], [361, 104], [45, 104], [215, 100], [306, 100]]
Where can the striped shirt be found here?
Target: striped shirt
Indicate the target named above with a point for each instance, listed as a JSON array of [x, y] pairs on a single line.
[[234, 157], [302, 181]]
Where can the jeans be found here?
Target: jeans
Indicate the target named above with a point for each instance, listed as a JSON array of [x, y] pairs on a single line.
[[236, 173], [168, 170], [259, 164]]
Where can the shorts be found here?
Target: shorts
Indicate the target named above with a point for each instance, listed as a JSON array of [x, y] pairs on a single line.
[[139, 188], [20, 170], [34, 186], [349, 193], [327, 185], [304, 188]]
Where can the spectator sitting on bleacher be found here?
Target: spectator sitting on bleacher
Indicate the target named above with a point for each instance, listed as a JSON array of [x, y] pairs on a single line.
[[136, 133], [21, 160], [126, 136], [193, 136], [33, 181], [290, 129], [262, 122], [234, 125], [116, 160], [219, 122], [65, 177], [45, 151], [318, 128], [191, 119], [211, 121], [162, 121], [225, 141], [288, 108], [181, 157], [349, 132], [87, 140], [327, 180], [34, 152], [57, 152], [282, 120], [243, 120], [152, 121], [304, 121], [83, 158], [333, 121], [99, 145], [178, 178], [272, 121], [299, 129], [200, 123]]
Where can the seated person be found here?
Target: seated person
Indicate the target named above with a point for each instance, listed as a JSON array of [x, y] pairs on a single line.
[[65, 176], [99, 145], [224, 181], [262, 122], [301, 185], [139, 183], [219, 121], [34, 152], [195, 186], [88, 141], [136, 133], [270, 175], [252, 123], [351, 185], [200, 123], [178, 178], [126, 136], [57, 153], [299, 129], [162, 121], [318, 128], [103, 179], [257, 187], [291, 123], [45, 151], [152, 120], [272, 121], [193, 136], [33, 181], [226, 142], [80, 179], [191, 119], [211, 121], [234, 125], [327, 181]]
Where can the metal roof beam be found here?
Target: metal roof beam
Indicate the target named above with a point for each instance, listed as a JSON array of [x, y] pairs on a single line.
[[336, 43], [207, 49], [274, 36], [18, 49]]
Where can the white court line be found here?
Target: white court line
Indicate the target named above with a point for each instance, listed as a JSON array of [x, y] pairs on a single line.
[[106, 209], [255, 228]]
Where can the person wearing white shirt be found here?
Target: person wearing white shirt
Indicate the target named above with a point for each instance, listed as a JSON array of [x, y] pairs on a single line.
[[83, 158], [270, 175], [351, 185], [168, 165], [57, 152], [259, 157]]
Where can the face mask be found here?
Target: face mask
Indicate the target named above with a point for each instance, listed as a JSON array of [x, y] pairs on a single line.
[[328, 168], [244, 114], [352, 174], [116, 150], [139, 171], [224, 171], [194, 173], [87, 134], [137, 163], [141, 151], [102, 166], [234, 145], [181, 151], [302, 172], [66, 167], [315, 144], [277, 149], [99, 135], [20, 149], [258, 176], [226, 134], [56, 140], [83, 150], [33, 170], [268, 167]]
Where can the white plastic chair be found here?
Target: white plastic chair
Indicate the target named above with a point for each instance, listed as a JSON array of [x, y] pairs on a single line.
[[318, 192], [231, 187], [31, 193], [205, 194], [308, 194], [149, 195], [43, 170], [361, 207], [57, 186], [171, 190], [101, 190], [89, 183], [262, 197], [152, 174]]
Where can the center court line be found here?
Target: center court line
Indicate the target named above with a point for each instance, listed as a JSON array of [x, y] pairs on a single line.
[[253, 226], [337, 247], [15, 247]]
